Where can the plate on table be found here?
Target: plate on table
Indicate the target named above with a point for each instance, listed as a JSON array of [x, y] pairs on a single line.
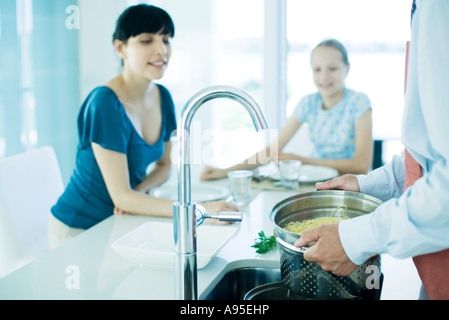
[[309, 173], [199, 193], [152, 244]]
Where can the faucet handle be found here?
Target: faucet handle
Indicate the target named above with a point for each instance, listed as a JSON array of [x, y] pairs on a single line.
[[202, 215], [229, 216]]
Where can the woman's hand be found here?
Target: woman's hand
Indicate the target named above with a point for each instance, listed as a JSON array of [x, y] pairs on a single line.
[[119, 211], [216, 207], [219, 206], [210, 173], [347, 182]]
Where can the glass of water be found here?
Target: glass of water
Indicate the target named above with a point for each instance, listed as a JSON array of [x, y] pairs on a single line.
[[289, 172], [240, 186]]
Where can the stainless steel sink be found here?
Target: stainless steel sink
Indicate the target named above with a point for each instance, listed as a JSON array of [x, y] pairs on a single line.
[[237, 282]]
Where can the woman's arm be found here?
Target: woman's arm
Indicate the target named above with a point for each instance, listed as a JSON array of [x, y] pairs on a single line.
[[260, 158], [361, 163], [114, 168]]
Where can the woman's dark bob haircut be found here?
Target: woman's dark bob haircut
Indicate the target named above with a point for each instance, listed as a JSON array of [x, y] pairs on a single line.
[[143, 18]]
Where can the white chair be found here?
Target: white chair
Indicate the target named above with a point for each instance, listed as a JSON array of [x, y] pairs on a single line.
[[30, 184]]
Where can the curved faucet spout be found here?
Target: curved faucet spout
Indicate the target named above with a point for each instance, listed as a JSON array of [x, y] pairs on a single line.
[[232, 93], [190, 109], [184, 210]]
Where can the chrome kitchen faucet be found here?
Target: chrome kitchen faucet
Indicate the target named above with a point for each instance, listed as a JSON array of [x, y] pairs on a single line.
[[185, 212]]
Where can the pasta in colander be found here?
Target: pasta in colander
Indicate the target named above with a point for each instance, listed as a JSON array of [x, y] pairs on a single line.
[[299, 227]]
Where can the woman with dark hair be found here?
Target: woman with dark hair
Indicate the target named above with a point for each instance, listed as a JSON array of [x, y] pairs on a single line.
[[124, 126]]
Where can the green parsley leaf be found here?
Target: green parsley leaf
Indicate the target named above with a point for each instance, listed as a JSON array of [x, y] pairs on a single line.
[[263, 244]]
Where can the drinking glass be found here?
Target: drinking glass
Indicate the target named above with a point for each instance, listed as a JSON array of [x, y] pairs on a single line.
[[289, 172], [240, 186]]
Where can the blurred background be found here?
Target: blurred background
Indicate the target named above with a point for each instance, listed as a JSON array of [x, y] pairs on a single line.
[[54, 52]]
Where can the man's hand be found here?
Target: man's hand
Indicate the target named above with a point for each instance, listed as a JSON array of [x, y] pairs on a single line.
[[347, 182], [327, 251]]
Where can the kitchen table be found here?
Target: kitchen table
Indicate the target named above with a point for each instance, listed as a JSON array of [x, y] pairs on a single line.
[[86, 267]]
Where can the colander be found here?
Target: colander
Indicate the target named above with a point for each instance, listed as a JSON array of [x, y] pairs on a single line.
[[308, 279]]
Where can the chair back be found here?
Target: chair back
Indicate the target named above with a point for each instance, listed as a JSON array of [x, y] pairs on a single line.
[[30, 184]]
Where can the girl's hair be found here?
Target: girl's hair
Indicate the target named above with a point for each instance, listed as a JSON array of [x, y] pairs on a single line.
[[143, 18], [336, 45]]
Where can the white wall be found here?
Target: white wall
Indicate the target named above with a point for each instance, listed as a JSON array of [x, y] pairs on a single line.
[[98, 61]]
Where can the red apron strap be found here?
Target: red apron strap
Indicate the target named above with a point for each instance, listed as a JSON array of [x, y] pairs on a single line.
[[433, 268]]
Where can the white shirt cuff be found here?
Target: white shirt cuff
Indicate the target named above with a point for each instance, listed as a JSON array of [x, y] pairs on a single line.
[[358, 238]]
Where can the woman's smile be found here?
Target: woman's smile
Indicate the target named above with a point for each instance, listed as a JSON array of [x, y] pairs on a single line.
[[159, 64]]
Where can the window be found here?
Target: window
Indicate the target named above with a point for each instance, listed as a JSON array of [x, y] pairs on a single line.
[[375, 35], [39, 96]]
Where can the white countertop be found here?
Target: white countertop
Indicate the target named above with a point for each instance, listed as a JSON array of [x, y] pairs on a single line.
[[103, 274]]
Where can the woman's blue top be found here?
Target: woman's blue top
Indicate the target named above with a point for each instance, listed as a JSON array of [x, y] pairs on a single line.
[[103, 120]]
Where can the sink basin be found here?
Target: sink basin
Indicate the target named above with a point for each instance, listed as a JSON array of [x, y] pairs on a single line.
[[237, 282], [267, 284]]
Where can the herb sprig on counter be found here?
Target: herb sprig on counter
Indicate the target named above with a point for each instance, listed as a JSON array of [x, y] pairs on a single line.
[[263, 244]]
